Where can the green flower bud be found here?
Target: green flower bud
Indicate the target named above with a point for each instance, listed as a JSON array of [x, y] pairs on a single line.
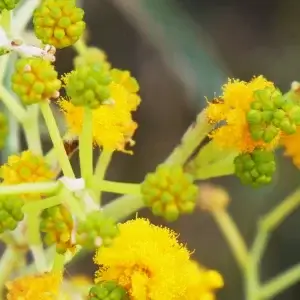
[[169, 191], [10, 212], [8, 4], [96, 230], [35, 80], [58, 23], [256, 168], [57, 224], [3, 130], [108, 290], [89, 85]]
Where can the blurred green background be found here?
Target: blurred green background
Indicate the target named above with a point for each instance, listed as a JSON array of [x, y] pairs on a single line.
[[181, 51]]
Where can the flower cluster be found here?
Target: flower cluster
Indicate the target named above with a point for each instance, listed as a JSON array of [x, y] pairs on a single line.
[[256, 116], [153, 265]]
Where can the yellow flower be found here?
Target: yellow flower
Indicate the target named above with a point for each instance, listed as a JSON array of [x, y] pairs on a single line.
[[38, 287], [26, 168], [203, 283], [147, 261], [113, 126], [291, 144], [232, 108]]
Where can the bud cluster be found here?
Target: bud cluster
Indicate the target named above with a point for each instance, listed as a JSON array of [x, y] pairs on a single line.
[[256, 168], [271, 114], [169, 191], [108, 290]]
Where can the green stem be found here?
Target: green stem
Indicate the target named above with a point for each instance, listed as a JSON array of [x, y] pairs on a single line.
[[280, 283], [40, 205], [56, 140], [101, 168], [59, 262], [30, 188], [279, 213], [34, 241], [122, 207], [233, 237], [191, 140], [12, 105], [86, 146], [73, 204], [7, 265], [81, 46], [6, 20], [119, 187], [32, 130]]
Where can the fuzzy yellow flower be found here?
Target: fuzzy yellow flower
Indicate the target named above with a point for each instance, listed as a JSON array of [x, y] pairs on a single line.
[[203, 283], [291, 143], [113, 126], [39, 287], [147, 261], [232, 108]]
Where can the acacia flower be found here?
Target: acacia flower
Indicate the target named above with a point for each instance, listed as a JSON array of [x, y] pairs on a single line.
[[37, 287], [203, 283], [232, 107], [291, 144], [147, 260], [113, 126]]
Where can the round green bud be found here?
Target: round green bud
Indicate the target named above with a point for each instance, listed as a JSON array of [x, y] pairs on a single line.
[[35, 80], [256, 168], [8, 4], [10, 212], [169, 192], [108, 290], [88, 85], [96, 230], [58, 23]]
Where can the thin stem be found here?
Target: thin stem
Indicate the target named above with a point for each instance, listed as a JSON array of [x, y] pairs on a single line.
[[7, 265], [12, 105], [40, 205], [280, 283], [86, 146], [101, 168], [120, 187], [56, 140], [122, 207], [233, 237], [6, 20], [191, 140], [73, 204], [30, 188], [34, 241], [32, 130], [80, 46], [59, 262], [283, 210]]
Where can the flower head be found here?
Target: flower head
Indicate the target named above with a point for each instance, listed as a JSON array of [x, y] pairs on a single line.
[[38, 287], [113, 126], [203, 282], [232, 107], [147, 261], [291, 143]]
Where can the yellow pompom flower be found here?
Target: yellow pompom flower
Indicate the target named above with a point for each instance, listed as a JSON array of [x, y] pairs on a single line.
[[203, 283], [232, 107], [147, 260], [113, 126], [291, 143], [26, 168], [38, 287]]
